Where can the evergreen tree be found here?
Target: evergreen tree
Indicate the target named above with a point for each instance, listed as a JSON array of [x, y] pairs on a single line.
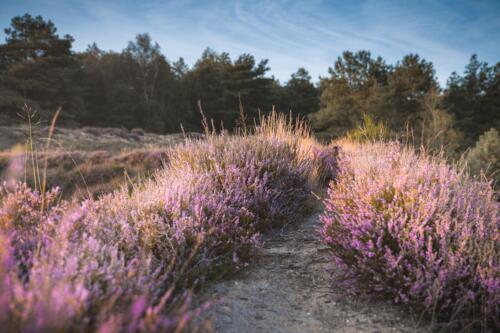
[[361, 85], [135, 88], [220, 84], [349, 92], [37, 67], [400, 101], [474, 98], [302, 97], [150, 78]]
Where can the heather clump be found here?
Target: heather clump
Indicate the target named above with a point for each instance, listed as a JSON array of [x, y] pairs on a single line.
[[22, 219], [128, 260], [207, 209], [417, 230], [325, 161], [241, 191], [60, 272]]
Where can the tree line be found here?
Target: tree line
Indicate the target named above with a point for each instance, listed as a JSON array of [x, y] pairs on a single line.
[[140, 87], [406, 95], [137, 87]]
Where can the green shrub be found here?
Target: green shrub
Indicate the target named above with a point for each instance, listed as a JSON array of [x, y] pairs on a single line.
[[436, 131], [369, 130], [485, 156]]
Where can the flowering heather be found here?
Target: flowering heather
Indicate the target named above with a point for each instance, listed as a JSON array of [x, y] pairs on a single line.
[[325, 163], [126, 262], [58, 273], [417, 230]]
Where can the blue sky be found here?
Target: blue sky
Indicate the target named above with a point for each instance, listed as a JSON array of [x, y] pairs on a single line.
[[291, 34]]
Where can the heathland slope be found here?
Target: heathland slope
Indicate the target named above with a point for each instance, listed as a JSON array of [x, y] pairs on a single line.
[[85, 162], [399, 225]]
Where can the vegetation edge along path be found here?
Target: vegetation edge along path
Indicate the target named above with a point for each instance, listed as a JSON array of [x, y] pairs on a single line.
[[289, 289]]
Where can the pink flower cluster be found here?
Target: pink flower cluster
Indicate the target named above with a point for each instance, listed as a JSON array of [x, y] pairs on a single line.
[[417, 230], [126, 262]]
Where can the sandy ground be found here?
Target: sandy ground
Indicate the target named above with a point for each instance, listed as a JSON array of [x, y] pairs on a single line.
[[288, 289]]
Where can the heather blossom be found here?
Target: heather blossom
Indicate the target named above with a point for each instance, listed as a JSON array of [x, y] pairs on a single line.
[[417, 230], [127, 261]]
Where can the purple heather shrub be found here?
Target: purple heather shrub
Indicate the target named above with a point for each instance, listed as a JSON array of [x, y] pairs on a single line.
[[21, 219], [234, 193], [325, 160], [417, 230], [202, 215], [45, 303], [126, 262], [60, 272]]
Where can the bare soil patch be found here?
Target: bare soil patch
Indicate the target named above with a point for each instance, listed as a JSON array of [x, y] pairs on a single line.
[[289, 289]]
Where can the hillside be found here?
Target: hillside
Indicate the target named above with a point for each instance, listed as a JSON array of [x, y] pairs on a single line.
[[89, 160]]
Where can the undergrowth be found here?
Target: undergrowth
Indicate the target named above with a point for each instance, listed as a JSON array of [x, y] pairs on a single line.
[[127, 261], [401, 224], [417, 230]]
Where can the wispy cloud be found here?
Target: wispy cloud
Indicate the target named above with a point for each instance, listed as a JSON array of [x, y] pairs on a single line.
[[290, 33]]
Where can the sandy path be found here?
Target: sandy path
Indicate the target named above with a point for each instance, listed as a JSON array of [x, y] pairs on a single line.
[[288, 290]]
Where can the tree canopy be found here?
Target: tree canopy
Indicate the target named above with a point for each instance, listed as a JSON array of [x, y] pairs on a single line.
[[140, 87]]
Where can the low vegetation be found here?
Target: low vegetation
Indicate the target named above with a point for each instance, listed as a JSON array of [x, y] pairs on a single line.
[[399, 222], [417, 230], [83, 163], [484, 157], [127, 261]]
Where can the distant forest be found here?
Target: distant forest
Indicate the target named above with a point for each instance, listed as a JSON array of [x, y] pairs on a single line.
[[140, 87]]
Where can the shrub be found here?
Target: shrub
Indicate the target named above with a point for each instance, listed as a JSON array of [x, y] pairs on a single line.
[[325, 162], [417, 230], [485, 155], [60, 272], [127, 261], [369, 131]]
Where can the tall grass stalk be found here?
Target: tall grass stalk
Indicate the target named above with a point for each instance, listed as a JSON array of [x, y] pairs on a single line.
[[46, 160]]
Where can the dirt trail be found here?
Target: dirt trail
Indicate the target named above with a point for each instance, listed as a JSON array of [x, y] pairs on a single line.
[[287, 289]]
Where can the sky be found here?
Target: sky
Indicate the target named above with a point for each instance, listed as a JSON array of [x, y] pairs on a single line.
[[291, 34]]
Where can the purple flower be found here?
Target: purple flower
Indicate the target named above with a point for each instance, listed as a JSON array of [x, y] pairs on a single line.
[[417, 230]]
